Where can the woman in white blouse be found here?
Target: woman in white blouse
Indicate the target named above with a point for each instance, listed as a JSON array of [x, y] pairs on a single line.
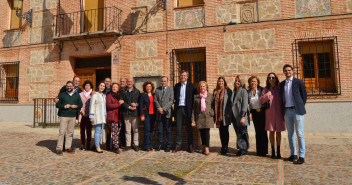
[[258, 115], [97, 114]]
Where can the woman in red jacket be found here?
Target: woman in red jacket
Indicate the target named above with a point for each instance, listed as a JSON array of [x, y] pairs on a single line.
[[113, 103]]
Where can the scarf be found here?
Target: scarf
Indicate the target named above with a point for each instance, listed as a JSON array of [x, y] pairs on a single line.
[[203, 105], [86, 94], [219, 101]]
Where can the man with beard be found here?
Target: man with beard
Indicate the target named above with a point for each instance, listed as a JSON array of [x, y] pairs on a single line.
[[69, 103]]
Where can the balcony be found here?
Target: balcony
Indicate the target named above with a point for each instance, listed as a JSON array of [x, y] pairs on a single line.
[[83, 24]]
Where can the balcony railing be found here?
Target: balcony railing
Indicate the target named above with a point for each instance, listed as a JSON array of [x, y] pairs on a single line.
[[87, 22]]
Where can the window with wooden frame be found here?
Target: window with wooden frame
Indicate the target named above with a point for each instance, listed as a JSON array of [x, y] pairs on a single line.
[[9, 77], [184, 3], [15, 21], [318, 65], [192, 60]]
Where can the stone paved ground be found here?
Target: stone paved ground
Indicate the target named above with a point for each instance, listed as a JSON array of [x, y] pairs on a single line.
[[27, 157]]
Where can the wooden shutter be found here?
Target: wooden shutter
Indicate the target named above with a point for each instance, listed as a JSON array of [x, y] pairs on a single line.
[[15, 21], [94, 15]]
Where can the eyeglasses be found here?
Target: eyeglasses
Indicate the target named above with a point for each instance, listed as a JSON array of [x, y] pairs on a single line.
[[271, 78]]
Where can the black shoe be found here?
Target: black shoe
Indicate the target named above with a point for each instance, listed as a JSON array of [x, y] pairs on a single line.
[[292, 158], [278, 152], [223, 150], [100, 152], [273, 156], [136, 148], [299, 161], [167, 150], [158, 148], [240, 153], [82, 147], [278, 155]]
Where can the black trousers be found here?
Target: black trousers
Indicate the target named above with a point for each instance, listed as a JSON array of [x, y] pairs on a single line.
[[261, 136], [205, 136], [122, 133], [182, 116], [224, 135]]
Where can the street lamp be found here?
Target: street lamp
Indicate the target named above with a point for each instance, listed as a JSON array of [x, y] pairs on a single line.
[[17, 5]]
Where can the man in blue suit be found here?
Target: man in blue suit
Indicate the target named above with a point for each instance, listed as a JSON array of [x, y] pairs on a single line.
[[184, 93], [294, 95]]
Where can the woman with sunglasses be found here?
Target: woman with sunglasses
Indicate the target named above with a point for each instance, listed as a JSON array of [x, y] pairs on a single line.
[[274, 118]]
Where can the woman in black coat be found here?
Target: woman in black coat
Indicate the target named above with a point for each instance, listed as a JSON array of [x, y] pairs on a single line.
[[222, 98]]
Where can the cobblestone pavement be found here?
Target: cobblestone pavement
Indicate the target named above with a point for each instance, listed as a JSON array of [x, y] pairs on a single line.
[[27, 156]]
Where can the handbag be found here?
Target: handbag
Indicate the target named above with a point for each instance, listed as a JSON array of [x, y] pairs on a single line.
[[266, 105]]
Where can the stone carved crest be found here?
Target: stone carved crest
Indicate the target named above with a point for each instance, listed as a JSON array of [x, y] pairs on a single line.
[[139, 19], [248, 12]]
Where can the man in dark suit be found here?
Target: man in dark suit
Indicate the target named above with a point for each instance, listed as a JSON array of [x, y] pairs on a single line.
[[184, 93], [294, 95]]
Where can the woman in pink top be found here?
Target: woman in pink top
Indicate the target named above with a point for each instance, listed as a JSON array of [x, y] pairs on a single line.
[[85, 125], [274, 118]]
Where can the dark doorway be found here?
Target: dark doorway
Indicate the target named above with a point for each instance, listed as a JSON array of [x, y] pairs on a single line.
[[95, 69], [102, 74]]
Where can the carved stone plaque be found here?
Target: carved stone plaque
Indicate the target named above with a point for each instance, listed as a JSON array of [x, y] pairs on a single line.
[[248, 12], [139, 20]]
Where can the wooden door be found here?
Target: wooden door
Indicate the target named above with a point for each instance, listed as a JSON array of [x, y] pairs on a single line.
[[94, 15], [86, 74]]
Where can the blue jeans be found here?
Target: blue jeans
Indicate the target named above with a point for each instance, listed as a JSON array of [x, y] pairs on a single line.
[[149, 123], [295, 122], [97, 134], [164, 122], [242, 136]]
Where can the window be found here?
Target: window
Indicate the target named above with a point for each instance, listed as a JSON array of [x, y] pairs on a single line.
[[182, 3], [15, 21], [318, 65], [9, 81], [192, 60]]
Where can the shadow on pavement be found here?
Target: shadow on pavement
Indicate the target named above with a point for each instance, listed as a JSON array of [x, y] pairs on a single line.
[[172, 177], [141, 180], [51, 144]]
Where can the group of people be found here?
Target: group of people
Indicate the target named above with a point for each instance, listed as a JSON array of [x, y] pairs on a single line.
[[119, 107]]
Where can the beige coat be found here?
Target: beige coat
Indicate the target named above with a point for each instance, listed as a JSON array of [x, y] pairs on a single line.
[[203, 119]]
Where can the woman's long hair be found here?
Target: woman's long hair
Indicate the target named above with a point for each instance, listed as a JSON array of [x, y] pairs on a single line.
[[241, 82], [217, 84]]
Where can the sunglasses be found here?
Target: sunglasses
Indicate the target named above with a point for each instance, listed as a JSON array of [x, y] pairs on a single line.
[[271, 78]]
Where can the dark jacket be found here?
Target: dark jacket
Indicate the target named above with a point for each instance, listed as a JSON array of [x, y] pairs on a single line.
[[63, 89], [65, 99], [190, 92], [299, 94], [129, 98], [112, 107], [144, 104], [226, 107]]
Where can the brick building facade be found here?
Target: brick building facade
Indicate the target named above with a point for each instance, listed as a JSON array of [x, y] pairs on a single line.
[[150, 38]]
